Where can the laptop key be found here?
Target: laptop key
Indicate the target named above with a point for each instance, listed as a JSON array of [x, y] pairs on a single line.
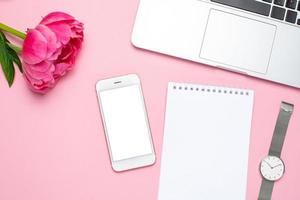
[[248, 5], [298, 22], [279, 2], [291, 16], [291, 4], [298, 6], [277, 13]]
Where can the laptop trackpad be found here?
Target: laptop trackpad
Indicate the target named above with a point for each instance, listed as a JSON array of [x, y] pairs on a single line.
[[238, 41]]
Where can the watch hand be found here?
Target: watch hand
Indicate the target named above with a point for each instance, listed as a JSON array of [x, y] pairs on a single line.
[[268, 164], [275, 166]]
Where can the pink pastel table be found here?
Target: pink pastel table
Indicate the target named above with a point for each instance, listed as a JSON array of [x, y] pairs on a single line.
[[53, 147]]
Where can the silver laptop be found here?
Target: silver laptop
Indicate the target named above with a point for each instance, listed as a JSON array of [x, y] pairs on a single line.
[[260, 38]]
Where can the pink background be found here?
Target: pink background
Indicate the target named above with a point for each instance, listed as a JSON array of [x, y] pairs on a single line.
[[53, 147]]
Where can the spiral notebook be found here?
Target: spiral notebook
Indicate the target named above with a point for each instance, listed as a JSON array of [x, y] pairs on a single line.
[[206, 143]]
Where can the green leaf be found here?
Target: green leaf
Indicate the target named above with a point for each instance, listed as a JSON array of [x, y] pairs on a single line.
[[15, 58], [7, 59]]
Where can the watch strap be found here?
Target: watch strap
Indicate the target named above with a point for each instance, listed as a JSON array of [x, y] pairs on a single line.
[[283, 119], [266, 189]]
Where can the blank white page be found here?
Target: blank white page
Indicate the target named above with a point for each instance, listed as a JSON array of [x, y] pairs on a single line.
[[206, 143]]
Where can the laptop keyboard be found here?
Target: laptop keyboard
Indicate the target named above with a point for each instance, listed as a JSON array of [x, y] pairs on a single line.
[[283, 10]]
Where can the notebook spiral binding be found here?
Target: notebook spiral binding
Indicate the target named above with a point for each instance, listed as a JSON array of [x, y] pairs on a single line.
[[203, 88]]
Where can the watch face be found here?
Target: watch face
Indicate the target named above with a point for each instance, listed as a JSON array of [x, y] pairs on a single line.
[[272, 168]]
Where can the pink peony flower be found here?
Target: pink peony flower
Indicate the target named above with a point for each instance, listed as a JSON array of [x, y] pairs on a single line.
[[50, 50]]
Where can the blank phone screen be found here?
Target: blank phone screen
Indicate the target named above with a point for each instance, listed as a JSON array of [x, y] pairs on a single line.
[[126, 122]]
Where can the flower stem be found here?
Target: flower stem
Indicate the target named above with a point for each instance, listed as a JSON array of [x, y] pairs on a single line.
[[12, 31], [17, 49]]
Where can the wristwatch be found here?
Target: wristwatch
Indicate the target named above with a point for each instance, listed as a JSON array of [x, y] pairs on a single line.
[[272, 167]]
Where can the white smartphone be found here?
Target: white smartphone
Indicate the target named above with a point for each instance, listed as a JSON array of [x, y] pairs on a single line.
[[125, 122]]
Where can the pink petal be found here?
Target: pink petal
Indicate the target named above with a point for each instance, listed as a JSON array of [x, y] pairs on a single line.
[[50, 37], [76, 42], [62, 68], [34, 47], [77, 29], [66, 52], [43, 67], [30, 79], [42, 71], [38, 86], [56, 17], [55, 55], [41, 88], [62, 31]]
